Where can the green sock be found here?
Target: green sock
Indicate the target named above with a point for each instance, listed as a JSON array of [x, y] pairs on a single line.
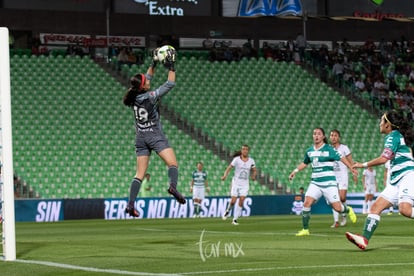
[[305, 219], [369, 228], [197, 209]]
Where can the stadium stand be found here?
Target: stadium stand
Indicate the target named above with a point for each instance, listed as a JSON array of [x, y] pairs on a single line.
[[73, 138]]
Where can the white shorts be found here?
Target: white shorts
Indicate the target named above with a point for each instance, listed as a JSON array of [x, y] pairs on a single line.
[[342, 182], [370, 190], [199, 192], [237, 191], [330, 194], [403, 191]]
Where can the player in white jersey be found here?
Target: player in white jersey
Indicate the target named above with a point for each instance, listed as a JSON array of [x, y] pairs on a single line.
[[341, 173], [245, 168], [370, 187], [198, 187], [322, 156], [397, 149]]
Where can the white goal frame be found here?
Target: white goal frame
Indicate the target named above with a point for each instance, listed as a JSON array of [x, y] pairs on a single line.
[[6, 157]]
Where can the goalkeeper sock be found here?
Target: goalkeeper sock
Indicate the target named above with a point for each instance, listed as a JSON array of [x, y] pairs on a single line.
[[133, 191], [173, 176]]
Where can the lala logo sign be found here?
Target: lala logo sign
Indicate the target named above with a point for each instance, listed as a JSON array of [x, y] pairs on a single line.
[[269, 7]]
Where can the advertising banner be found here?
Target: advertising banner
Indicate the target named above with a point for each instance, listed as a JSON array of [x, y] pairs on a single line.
[[99, 41], [376, 9], [158, 208], [235, 8], [53, 5]]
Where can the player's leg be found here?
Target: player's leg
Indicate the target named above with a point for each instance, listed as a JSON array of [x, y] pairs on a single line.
[[196, 204], [331, 195], [406, 196], [342, 197], [230, 205], [370, 199], [170, 160], [384, 201], [234, 193], [238, 210], [312, 194], [141, 168]]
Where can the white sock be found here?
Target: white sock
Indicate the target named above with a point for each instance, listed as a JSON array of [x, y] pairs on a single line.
[[237, 212], [364, 207], [335, 215]]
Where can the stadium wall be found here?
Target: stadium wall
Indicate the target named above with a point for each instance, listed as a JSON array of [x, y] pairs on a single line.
[[161, 208], [93, 23]]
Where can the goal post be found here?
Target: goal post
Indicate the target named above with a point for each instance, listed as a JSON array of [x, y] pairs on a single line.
[[6, 160]]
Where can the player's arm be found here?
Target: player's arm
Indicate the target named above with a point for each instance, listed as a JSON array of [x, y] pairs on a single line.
[[154, 62], [345, 160], [354, 177], [254, 173], [207, 187], [191, 185], [170, 60], [296, 170], [226, 172], [363, 181], [374, 162]]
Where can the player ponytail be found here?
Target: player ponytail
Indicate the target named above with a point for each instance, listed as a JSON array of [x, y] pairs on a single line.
[[137, 86]]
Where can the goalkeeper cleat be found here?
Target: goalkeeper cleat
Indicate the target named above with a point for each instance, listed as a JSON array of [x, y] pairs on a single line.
[[352, 215], [131, 211], [358, 240], [172, 191], [303, 232]]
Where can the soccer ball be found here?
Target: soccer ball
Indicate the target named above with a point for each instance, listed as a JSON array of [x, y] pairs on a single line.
[[163, 52]]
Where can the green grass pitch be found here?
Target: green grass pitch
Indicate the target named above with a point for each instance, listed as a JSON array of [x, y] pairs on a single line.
[[260, 245]]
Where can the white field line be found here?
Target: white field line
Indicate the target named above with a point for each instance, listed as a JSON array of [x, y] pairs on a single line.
[[91, 269], [278, 268]]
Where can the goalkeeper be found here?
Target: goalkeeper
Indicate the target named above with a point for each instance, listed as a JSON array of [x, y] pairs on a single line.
[[149, 135]]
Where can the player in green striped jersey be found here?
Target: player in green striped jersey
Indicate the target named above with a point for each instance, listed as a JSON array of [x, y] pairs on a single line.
[[397, 148], [198, 186], [322, 156]]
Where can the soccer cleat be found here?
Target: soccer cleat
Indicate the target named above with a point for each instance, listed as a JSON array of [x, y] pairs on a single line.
[[172, 191], [303, 232], [343, 221], [234, 222], [225, 215], [358, 240], [131, 211], [352, 215], [335, 225]]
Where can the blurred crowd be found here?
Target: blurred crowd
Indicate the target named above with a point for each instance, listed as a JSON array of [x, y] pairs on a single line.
[[380, 72]]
